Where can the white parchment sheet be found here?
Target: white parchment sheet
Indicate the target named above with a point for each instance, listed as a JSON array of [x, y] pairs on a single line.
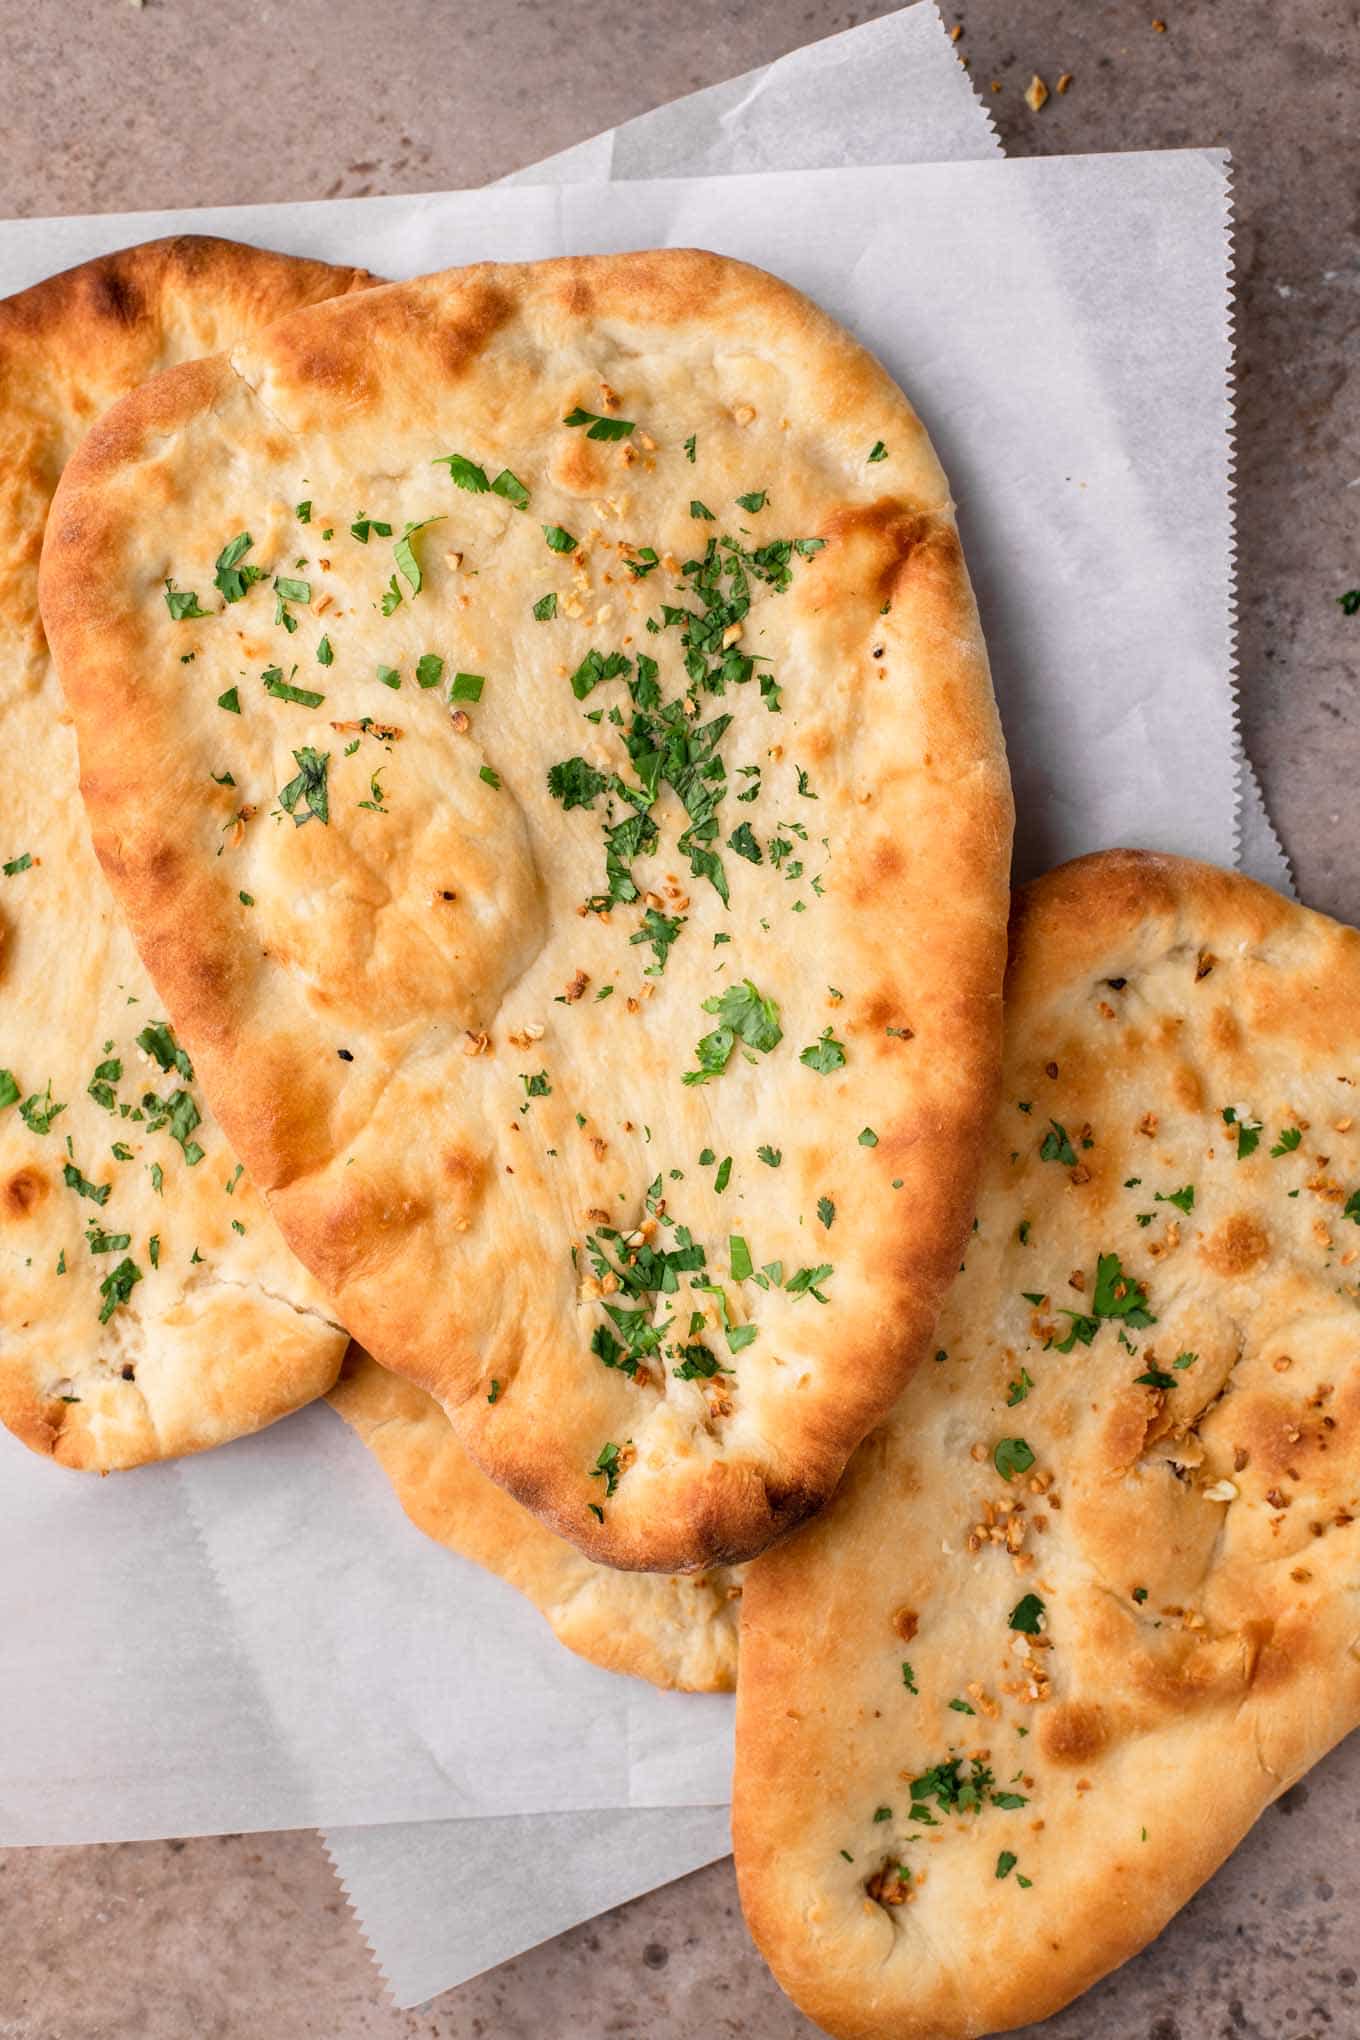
[[1060, 323], [439, 1899]]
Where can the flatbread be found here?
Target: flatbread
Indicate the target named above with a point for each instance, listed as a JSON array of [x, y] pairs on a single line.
[[1172, 1192], [678, 1631], [449, 1024], [106, 1359]]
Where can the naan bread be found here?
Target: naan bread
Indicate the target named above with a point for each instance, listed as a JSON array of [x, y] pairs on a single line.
[[147, 1303], [538, 547], [1091, 1598], [679, 1632]]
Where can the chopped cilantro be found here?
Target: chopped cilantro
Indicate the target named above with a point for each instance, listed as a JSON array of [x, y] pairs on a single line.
[[909, 1677], [38, 1113], [1012, 1456], [755, 501], [492, 778], [559, 541], [1184, 1199], [701, 510], [1288, 1141], [464, 472], [1027, 1615], [325, 655], [600, 428], [826, 1212], [744, 1014], [364, 524], [1005, 1863], [404, 553], [466, 687], [867, 1137], [231, 578], [1017, 1390], [429, 669], [744, 843], [98, 1193], [18, 864], [878, 451], [309, 787], [511, 488], [159, 1042], [231, 701], [182, 602], [1056, 1147], [117, 1287], [825, 1055], [771, 1156], [545, 609], [689, 445], [1248, 1131], [283, 690]]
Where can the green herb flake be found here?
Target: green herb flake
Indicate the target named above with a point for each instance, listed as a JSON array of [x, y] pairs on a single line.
[[231, 701], [739, 1255], [283, 690], [825, 1055], [701, 510], [1006, 1862], [117, 1287], [18, 864], [389, 677], [1056, 1147], [1017, 1390], [756, 501], [909, 1678], [464, 473], [182, 602], [744, 1015], [826, 1212], [771, 1156], [98, 1193], [1285, 1145], [511, 488], [1027, 1616], [232, 578], [878, 451], [545, 609], [303, 512], [325, 653], [309, 788], [1011, 1457], [404, 553], [600, 428], [466, 687], [364, 524], [559, 541], [867, 1137], [492, 778]]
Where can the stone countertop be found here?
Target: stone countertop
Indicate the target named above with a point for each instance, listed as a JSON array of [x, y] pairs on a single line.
[[189, 102]]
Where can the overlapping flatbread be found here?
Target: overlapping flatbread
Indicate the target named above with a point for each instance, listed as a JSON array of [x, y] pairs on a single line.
[[148, 1305], [574, 854], [1091, 1598], [676, 1631]]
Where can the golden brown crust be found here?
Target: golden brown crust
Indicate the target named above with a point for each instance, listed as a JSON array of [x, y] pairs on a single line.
[[437, 1211], [677, 1632], [227, 1332], [1189, 1520]]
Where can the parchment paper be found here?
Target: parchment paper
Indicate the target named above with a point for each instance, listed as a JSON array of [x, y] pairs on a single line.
[[1060, 323]]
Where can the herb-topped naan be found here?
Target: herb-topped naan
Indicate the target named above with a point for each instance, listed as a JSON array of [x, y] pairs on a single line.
[[1088, 1601], [536, 721], [676, 1631], [147, 1303]]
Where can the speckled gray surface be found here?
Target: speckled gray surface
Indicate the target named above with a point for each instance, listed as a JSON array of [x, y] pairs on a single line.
[[107, 106]]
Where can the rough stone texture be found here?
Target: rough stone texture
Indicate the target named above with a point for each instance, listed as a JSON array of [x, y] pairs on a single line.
[[185, 102]]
